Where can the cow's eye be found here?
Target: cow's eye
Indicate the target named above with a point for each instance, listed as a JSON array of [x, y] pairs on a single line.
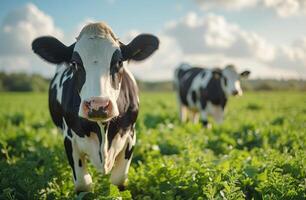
[[118, 66], [74, 65], [116, 74], [119, 69]]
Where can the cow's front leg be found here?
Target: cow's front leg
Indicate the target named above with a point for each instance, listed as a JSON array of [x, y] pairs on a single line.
[[121, 166], [77, 161], [183, 113], [218, 114], [204, 119], [195, 117]]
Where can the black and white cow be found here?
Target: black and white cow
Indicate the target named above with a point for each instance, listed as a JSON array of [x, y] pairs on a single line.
[[204, 92], [93, 99]]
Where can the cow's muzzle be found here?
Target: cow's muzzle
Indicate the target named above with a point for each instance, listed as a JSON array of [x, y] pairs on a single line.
[[97, 108]]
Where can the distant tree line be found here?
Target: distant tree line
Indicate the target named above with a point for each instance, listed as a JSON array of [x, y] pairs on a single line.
[[247, 85], [36, 83], [272, 84], [23, 82]]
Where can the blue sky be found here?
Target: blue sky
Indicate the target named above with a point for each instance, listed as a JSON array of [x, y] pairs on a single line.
[[264, 35], [121, 15], [150, 16]]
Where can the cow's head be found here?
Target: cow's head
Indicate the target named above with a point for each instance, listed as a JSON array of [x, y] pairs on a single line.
[[97, 58], [231, 80]]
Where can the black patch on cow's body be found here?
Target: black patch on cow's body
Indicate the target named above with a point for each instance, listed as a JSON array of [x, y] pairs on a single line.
[[186, 77], [128, 109], [214, 91], [203, 98], [80, 163], [194, 96], [68, 148], [128, 151], [69, 133], [55, 108]]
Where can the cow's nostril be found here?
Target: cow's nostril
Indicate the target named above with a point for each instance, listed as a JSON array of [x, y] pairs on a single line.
[[106, 103], [98, 107], [102, 112], [87, 104]]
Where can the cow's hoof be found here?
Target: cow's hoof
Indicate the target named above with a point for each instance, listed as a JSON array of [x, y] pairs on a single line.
[[121, 187], [80, 192], [83, 189], [85, 195], [206, 124]]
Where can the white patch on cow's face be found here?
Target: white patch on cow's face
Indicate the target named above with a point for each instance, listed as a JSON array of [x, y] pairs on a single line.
[[96, 54], [231, 85]]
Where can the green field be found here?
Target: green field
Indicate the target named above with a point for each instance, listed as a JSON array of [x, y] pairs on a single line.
[[258, 153]]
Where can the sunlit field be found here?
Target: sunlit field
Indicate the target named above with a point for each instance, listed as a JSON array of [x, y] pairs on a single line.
[[258, 153]]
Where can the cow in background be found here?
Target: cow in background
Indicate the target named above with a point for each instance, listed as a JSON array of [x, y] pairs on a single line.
[[202, 92]]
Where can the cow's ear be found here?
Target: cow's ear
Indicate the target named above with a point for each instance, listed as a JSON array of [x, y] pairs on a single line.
[[245, 74], [52, 50], [140, 47]]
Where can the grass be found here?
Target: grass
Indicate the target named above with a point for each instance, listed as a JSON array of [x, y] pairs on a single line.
[[258, 153]]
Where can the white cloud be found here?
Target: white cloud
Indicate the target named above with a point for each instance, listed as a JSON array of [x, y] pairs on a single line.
[[21, 26], [13, 63], [70, 37], [283, 8], [228, 4], [292, 57], [27, 64], [213, 34], [17, 32], [161, 64], [212, 41]]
